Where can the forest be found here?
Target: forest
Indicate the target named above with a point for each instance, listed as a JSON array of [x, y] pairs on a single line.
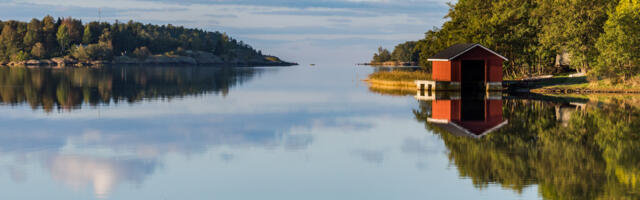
[[68, 37], [601, 37]]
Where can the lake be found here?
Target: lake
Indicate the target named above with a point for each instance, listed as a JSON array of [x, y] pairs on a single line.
[[301, 133]]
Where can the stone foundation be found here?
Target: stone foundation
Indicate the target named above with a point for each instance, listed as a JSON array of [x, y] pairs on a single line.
[[437, 85], [494, 86]]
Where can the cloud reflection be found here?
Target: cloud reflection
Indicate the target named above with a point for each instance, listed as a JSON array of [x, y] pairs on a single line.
[[101, 173]]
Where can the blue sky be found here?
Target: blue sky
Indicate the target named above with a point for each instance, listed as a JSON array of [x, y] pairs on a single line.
[[305, 31]]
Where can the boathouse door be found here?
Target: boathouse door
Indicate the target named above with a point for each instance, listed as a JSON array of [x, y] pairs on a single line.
[[472, 75]]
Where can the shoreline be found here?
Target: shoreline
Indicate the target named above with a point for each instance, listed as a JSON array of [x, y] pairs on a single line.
[[62, 62], [390, 64], [406, 86]]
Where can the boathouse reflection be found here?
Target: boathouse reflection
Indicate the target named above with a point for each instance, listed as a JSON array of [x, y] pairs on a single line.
[[465, 114]]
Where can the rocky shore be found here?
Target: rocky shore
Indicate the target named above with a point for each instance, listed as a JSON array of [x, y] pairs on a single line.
[[190, 58]]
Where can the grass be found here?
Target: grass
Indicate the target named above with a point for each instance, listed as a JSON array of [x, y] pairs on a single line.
[[406, 76], [581, 83], [397, 83]]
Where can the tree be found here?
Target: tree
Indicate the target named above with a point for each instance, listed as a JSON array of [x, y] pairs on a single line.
[[87, 37], [619, 45], [8, 42], [383, 55], [49, 40], [142, 53], [19, 56], [63, 37], [404, 52], [33, 35], [574, 26], [38, 50], [75, 30]]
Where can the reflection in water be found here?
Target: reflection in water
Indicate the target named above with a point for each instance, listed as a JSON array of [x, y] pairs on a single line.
[[102, 174], [68, 88], [570, 150], [472, 116]]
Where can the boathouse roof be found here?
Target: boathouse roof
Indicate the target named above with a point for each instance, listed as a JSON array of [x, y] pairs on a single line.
[[460, 129], [457, 50]]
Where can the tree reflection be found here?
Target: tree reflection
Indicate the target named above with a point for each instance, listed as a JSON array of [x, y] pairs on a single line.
[[69, 88], [592, 154]]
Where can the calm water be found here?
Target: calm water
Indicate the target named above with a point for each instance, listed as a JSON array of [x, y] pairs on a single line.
[[300, 133]]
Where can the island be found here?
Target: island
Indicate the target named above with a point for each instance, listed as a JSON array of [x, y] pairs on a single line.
[[70, 42]]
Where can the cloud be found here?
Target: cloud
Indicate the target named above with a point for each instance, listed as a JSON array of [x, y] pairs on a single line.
[[258, 22]]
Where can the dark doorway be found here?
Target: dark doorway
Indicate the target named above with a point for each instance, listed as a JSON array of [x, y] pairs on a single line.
[[472, 72], [472, 108]]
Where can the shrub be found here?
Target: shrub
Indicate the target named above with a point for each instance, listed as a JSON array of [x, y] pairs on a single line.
[[19, 56], [142, 53], [92, 52]]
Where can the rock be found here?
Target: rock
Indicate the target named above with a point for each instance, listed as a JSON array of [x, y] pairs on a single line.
[[202, 57], [33, 62], [163, 59], [99, 62], [16, 63], [47, 62], [58, 60]]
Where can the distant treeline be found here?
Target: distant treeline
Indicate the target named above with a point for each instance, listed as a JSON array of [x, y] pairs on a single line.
[[601, 36], [49, 37]]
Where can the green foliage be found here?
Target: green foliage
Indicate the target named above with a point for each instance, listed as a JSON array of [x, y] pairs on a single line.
[[60, 37], [405, 52], [529, 33], [63, 37], [91, 52], [575, 26], [142, 53], [19, 56], [33, 35], [87, 37], [383, 55], [38, 50], [619, 46], [569, 153]]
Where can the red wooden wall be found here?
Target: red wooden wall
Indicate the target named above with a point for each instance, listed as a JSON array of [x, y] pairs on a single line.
[[450, 70]]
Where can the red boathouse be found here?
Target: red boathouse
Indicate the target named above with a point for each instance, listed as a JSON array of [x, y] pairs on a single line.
[[465, 67]]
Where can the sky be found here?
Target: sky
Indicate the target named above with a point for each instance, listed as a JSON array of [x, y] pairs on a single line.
[[304, 31]]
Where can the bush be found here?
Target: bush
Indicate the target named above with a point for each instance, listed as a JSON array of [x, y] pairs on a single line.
[[142, 53], [20, 56], [91, 52]]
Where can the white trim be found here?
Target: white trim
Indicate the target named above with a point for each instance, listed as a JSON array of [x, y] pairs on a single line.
[[438, 121], [466, 131], [495, 127], [438, 59], [469, 49]]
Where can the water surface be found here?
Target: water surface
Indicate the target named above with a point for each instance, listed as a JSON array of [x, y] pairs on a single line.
[[300, 133]]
